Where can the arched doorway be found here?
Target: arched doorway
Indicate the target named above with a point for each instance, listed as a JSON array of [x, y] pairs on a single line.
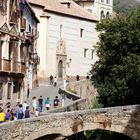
[[60, 69]]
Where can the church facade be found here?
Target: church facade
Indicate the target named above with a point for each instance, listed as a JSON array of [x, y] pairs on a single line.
[[67, 36]]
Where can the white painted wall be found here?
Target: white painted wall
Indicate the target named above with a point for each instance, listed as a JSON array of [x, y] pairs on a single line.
[[49, 34], [74, 44]]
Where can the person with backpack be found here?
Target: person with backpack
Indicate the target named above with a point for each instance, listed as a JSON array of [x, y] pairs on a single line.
[[27, 112], [8, 116], [47, 103], [56, 102], [20, 112]]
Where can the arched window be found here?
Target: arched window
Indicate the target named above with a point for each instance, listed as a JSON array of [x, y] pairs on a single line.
[[102, 16], [108, 15]]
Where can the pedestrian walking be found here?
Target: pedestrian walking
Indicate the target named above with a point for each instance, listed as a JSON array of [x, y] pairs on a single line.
[[77, 77], [51, 80], [40, 102], [24, 105], [56, 102], [27, 112], [8, 115], [20, 112], [34, 104], [55, 81], [47, 103], [2, 116], [28, 92]]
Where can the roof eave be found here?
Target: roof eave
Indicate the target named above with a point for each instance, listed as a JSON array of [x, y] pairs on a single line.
[[95, 20]]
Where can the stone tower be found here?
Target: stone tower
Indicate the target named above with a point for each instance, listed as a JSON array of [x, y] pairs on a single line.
[[100, 8]]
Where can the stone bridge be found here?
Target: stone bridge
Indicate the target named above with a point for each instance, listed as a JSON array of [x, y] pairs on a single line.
[[124, 119]]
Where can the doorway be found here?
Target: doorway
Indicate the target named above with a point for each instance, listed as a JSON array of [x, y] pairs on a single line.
[[60, 69]]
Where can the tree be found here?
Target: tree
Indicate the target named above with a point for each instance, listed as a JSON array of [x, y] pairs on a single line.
[[117, 72]]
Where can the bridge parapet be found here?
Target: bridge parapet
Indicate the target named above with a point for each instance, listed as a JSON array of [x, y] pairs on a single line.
[[125, 119]]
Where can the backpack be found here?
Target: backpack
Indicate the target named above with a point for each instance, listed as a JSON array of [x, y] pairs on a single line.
[[8, 116]]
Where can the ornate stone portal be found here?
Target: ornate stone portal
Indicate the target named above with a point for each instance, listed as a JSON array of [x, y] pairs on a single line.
[[61, 58]]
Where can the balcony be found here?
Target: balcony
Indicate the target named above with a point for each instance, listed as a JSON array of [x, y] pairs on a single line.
[[9, 66], [23, 67], [13, 19], [6, 65], [22, 24]]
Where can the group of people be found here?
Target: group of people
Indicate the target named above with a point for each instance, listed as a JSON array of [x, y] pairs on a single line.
[[19, 111], [53, 80], [38, 104]]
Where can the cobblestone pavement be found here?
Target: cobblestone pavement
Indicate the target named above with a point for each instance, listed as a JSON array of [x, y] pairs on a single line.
[[46, 91]]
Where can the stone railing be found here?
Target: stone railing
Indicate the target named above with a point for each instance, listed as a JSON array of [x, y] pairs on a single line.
[[124, 119]]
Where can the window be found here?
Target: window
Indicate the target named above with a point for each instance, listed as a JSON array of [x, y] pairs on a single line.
[[16, 87], [92, 53], [85, 53], [19, 94], [21, 53], [108, 15], [10, 50], [9, 91], [102, 16], [81, 32], [61, 31], [108, 1], [1, 90]]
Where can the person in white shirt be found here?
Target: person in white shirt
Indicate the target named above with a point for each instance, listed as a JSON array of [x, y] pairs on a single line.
[[34, 104], [55, 81], [24, 105]]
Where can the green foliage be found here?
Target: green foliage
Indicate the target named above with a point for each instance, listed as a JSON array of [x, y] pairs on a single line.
[[96, 104], [117, 72], [124, 6], [116, 2], [99, 134]]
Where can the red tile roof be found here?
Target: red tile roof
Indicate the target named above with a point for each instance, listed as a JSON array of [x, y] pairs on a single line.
[[60, 6]]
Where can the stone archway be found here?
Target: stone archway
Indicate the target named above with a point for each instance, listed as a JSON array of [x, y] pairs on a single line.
[[60, 69]]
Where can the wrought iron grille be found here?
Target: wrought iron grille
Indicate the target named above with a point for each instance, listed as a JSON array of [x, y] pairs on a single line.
[[3, 7]]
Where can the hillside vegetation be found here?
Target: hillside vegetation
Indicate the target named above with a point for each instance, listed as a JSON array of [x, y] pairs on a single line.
[[125, 6]]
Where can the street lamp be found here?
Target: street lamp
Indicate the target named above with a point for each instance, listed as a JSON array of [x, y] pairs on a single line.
[[68, 63]]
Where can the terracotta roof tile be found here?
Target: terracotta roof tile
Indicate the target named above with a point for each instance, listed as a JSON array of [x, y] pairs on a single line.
[[60, 6], [37, 2]]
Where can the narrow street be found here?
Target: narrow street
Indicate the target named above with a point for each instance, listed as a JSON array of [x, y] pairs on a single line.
[[46, 91]]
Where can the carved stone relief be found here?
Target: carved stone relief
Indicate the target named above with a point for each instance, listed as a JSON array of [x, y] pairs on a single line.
[[61, 47]]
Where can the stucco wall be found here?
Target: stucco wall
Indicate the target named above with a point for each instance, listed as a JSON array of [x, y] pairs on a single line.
[[74, 43]]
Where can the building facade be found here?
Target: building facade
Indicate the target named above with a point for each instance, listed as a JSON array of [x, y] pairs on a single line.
[[67, 37], [14, 50], [101, 8]]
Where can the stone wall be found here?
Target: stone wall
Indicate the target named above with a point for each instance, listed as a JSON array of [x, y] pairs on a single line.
[[83, 89], [124, 119]]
